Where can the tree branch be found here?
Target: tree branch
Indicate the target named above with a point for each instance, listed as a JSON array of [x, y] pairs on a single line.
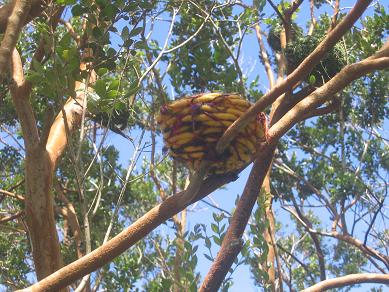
[[20, 92], [127, 238], [12, 195], [232, 242], [11, 217], [264, 56], [348, 280], [329, 89], [11, 35], [71, 115], [298, 74], [35, 9]]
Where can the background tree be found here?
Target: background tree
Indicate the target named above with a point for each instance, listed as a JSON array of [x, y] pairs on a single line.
[[82, 84]]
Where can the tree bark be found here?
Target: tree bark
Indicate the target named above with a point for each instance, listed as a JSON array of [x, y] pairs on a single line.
[[348, 280], [40, 213]]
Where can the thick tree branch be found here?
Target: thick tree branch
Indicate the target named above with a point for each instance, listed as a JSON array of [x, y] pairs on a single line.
[[297, 75], [20, 92], [69, 118], [322, 94], [348, 280], [35, 9], [232, 242], [127, 238], [11, 35]]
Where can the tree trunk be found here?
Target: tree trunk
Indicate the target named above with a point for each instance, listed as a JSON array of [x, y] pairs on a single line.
[[40, 212]]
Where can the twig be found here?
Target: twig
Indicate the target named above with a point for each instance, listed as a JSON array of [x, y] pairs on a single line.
[[381, 204], [175, 11], [304, 266]]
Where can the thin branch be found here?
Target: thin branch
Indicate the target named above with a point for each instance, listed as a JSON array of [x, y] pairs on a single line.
[[71, 31], [334, 18], [11, 217], [315, 239], [275, 8], [227, 47], [304, 266], [381, 204], [12, 195], [298, 74], [313, 19], [264, 56], [348, 280], [175, 11]]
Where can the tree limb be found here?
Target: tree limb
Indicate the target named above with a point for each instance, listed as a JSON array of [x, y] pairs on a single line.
[[20, 92], [348, 280], [232, 242], [35, 9], [11, 35], [127, 238], [298, 74], [323, 93], [11, 217]]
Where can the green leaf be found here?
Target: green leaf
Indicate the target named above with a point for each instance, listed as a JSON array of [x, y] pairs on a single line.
[[114, 84], [312, 79], [77, 10], [102, 71], [113, 94], [208, 257], [136, 31], [125, 33], [100, 87]]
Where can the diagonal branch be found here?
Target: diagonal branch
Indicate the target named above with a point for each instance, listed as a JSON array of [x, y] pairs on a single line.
[[297, 75], [12, 195], [232, 242], [127, 238], [323, 93], [11, 217]]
